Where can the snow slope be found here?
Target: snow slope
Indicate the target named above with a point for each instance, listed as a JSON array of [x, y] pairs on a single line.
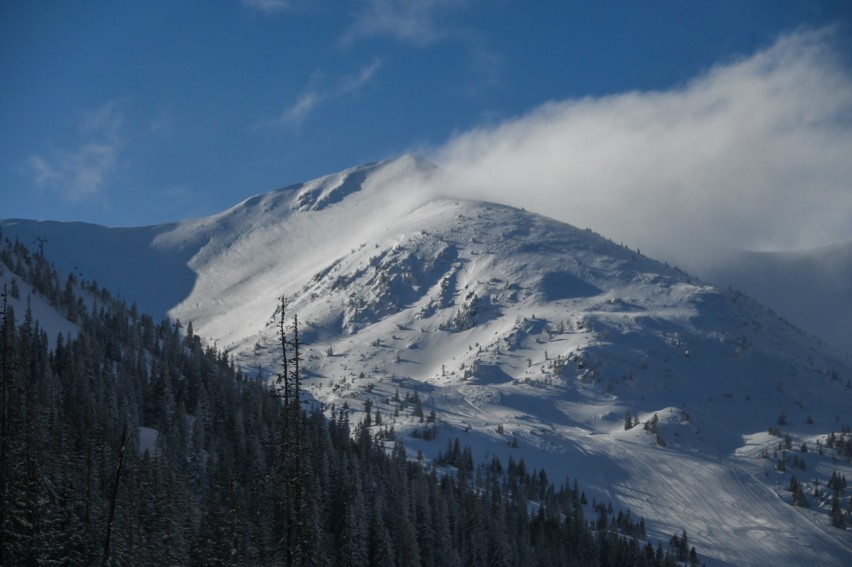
[[813, 288], [527, 337], [51, 321]]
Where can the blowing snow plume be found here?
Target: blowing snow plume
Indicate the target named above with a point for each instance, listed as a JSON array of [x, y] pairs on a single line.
[[755, 154]]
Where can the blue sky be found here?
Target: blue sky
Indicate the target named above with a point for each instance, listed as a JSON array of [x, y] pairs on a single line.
[[132, 113]]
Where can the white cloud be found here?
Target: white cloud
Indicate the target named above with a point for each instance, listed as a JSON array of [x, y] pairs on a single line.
[[81, 172], [754, 154], [419, 22], [295, 114]]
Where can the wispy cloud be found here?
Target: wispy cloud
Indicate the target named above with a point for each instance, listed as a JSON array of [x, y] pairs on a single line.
[[423, 23], [295, 114], [352, 83], [419, 22], [80, 172], [269, 6], [754, 154], [298, 112], [486, 70], [162, 123]]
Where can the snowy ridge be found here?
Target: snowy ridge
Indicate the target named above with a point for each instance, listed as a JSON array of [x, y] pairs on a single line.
[[527, 337]]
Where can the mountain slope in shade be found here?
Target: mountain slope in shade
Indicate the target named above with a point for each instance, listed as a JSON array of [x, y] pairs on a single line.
[[527, 337], [127, 261], [813, 288]]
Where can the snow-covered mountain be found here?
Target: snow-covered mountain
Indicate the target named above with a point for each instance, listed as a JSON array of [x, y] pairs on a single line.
[[527, 337]]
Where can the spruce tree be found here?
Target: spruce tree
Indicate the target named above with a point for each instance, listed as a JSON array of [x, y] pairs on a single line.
[[6, 325]]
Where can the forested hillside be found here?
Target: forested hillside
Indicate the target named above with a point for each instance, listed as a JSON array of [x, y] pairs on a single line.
[[129, 442]]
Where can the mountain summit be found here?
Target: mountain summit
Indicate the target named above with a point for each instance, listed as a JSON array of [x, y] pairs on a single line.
[[525, 336]]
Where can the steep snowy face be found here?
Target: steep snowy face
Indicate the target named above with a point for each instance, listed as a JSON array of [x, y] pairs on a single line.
[[271, 244]]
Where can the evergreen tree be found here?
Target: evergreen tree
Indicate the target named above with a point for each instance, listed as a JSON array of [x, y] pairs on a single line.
[[7, 323]]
